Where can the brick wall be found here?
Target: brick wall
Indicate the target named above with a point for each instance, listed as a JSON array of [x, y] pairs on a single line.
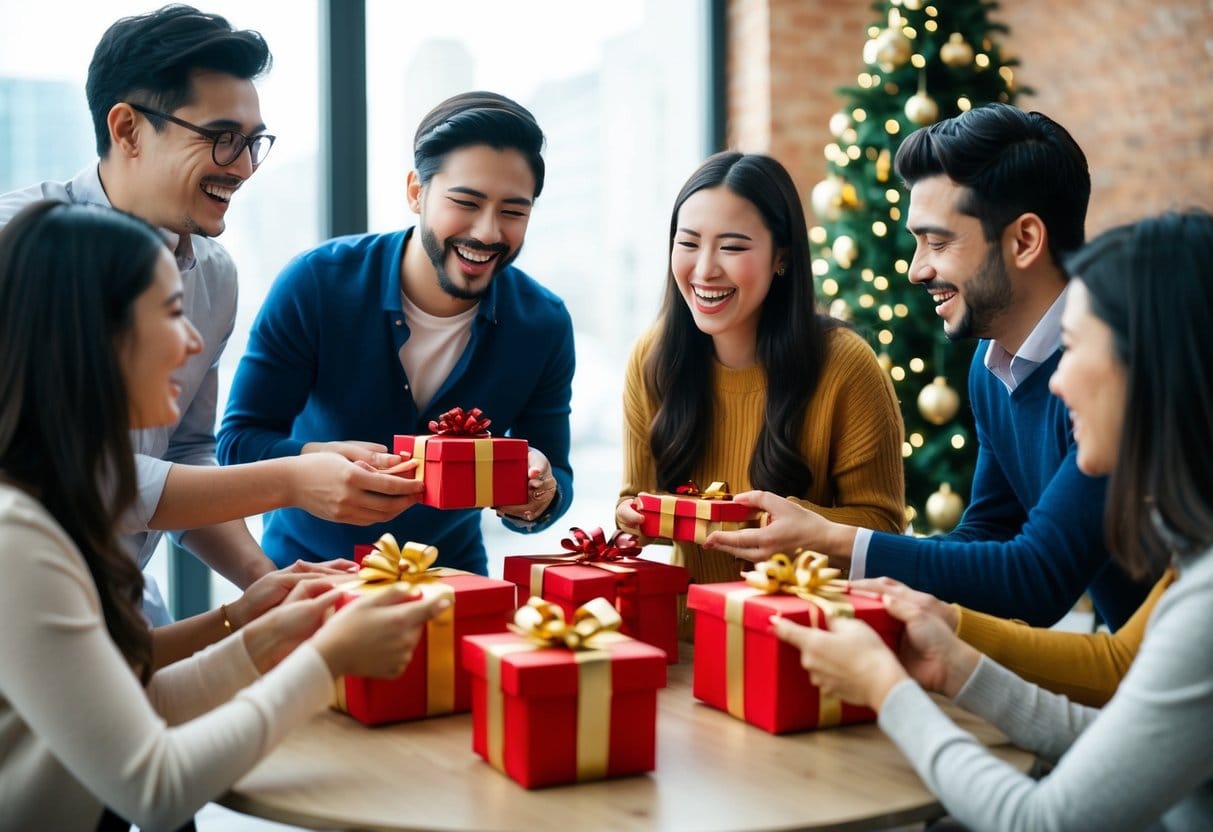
[[1131, 79]]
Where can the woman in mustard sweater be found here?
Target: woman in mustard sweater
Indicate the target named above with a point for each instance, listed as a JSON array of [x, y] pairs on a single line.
[[741, 380]]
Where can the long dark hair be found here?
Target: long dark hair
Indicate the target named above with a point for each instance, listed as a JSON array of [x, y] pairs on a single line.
[[790, 345], [1152, 283], [69, 276]]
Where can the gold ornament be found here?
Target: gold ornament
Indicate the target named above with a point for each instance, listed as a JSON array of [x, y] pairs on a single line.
[[884, 163], [956, 52], [912, 5], [922, 109], [938, 402], [845, 251], [888, 50], [830, 196], [944, 509], [839, 124]]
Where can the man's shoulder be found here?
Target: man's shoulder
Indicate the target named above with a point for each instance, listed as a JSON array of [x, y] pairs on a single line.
[[519, 291], [13, 201], [341, 257]]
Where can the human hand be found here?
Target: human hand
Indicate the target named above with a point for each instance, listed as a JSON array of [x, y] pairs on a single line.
[[924, 602], [376, 633], [273, 588], [271, 637], [372, 453], [329, 486], [628, 516], [541, 489], [930, 650], [849, 660], [789, 527]]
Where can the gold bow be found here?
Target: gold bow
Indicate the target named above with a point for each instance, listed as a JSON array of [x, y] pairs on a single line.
[[543, 622], [716, 491], [388, 562], [809, 576]]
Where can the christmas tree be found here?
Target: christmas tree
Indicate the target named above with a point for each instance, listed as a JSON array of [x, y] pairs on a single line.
[[922, 62]]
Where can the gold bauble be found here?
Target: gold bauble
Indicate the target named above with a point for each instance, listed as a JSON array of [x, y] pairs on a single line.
[[839, 124], [922, 109], [944, 509], [956, 52], [888, 50], [826, 199], [841, 310], [938, 402], [845, 251]]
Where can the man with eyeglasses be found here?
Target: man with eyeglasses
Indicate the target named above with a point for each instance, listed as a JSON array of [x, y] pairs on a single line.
[[179, 131]]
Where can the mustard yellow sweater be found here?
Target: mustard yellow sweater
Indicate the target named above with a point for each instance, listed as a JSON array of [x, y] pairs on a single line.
[[1086, 667], [851, 440]]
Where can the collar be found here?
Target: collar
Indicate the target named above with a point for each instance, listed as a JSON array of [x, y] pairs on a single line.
[[86, 189], [1044, 340], [391, 290]]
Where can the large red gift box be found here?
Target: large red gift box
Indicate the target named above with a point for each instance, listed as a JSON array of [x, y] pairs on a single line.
[[551, 715], [434, 682], [645, 592], [742, 668], [472, 470], [693, 515]]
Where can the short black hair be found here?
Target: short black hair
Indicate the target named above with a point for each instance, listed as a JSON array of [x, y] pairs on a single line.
[[477, 118], [151, 58], [1011, 162]]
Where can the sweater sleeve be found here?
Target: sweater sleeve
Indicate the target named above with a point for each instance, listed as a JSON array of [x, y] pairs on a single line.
[[639, 471], [1086, 667]]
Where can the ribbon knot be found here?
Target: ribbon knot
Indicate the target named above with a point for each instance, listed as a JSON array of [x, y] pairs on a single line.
[[455, 422], [716, 491], [594, 547], [543, 622], [389, 562], [809, 576]]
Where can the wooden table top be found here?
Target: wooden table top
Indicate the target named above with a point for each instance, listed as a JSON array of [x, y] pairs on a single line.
[[713, 772]]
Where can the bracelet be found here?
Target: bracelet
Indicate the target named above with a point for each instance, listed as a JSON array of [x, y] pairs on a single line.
[[227, 622]]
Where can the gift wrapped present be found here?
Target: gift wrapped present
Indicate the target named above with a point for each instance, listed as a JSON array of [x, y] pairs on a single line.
[[644, 592], [564, 700], [464, 466], [741, 667], [691, 515], [434, 681]]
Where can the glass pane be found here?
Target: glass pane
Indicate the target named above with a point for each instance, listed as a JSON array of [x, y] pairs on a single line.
[[620, 90]]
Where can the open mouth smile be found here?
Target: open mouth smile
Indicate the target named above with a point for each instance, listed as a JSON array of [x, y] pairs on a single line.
[[711, 298]]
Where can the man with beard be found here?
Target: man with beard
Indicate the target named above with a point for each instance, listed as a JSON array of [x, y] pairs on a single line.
[[373, 335], [998, 198], [178, 127]]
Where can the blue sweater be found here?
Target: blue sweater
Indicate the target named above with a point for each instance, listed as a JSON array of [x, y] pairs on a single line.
[[323, 364], [1031, 539]]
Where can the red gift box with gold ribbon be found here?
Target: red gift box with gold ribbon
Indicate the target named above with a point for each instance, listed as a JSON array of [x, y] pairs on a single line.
[[556, 702], [691, 515], [742, 668], [463, 466], [644, 592], [434, 682]]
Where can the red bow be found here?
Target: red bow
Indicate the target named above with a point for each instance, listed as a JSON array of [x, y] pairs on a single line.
[[594, 546], [457, 423]]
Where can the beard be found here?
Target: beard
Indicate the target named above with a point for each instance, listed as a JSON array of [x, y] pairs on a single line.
[[987, 296], [437, 252]]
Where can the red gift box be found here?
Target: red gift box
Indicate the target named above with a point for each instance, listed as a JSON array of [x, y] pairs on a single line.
[[742, 668], [463, 467], [692, 515], [644, 592], [551, 715], [434, 682]]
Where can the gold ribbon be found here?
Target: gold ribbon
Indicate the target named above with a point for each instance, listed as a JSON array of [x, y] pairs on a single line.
[[810, 578], [483, 451], [543, 626]]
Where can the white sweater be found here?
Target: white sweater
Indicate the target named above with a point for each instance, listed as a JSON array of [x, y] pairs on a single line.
[[1144, 762], [77, 730]]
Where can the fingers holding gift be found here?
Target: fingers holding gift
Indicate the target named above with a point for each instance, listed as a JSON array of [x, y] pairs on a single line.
[[541, 488]]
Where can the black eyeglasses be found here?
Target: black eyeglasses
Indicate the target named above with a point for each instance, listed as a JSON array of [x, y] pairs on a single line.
[[227, 145]]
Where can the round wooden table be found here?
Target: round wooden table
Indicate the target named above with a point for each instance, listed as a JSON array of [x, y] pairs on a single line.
[[713, 772]]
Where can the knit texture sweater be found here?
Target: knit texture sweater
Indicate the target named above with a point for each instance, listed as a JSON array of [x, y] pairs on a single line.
[[851, 441], [1031, 540]]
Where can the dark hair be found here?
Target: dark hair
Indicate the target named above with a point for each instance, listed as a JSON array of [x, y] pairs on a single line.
[[69, 276], [1152, 284], [1011, 162], [473, 118], [150, 59], [790, 347]]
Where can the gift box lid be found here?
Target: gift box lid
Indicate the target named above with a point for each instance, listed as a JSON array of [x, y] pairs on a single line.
[[566, 579], [683, 506], [756, 615], [462, 448], [474, 594], [552, 671]]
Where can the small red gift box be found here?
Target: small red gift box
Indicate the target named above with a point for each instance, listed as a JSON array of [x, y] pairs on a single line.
[[546, 715], [645, 592], [742, 668], [434, 681], [463, 467], [691, 515]]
